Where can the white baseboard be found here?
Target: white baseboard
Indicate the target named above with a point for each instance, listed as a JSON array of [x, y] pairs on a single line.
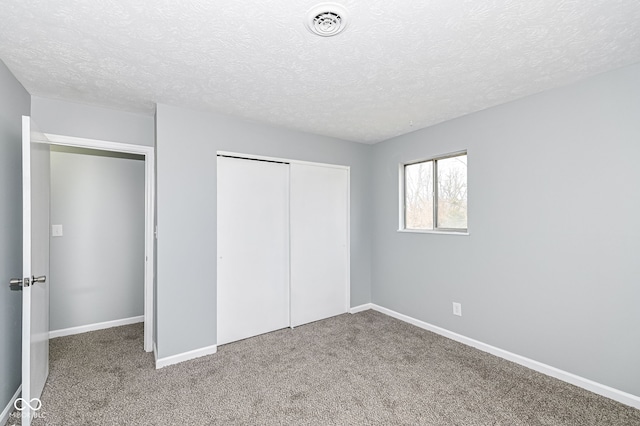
[[93, 327], [4, 416], [590, 385], [361, 308], [185, 356]]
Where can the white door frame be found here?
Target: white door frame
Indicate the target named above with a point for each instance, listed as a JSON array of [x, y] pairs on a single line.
[[149, 209]]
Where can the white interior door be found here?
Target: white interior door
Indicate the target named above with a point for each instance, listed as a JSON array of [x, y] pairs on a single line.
[[35, 289], [319, 242], [253, 248]]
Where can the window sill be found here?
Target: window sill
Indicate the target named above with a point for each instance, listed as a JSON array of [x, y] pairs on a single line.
[[426, 231]]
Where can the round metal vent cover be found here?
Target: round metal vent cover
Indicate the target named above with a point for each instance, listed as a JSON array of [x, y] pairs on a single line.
[[327, 19]]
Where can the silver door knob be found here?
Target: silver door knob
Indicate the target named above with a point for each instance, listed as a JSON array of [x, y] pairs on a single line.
[[40, 279], [16, 283]]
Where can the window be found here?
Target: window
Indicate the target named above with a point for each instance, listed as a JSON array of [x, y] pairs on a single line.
[[434, 194]]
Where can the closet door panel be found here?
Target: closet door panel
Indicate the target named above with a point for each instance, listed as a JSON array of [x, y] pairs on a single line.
[[319, 237], [253, 248]]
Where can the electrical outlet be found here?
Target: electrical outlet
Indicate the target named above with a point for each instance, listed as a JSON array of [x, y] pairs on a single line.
[[457, 309]]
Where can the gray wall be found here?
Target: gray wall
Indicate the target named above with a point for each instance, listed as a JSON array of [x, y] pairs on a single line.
[[186, 147], [86, 121], [97, 266], [14, 102], [550, 269]]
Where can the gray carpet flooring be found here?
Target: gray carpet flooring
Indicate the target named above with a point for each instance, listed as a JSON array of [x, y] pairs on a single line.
[[361, 369]]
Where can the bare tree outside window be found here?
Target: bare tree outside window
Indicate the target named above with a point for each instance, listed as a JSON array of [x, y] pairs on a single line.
[[419, 195], [443, 179], [452, 192]]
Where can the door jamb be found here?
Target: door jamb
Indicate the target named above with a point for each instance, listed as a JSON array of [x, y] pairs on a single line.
[[149, 211]]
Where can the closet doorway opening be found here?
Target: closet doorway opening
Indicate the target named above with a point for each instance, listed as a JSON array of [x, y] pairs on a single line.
[[63, 148]]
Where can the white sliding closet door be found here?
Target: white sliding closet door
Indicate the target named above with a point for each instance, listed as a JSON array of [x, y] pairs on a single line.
[[253, 248], [319, 232]]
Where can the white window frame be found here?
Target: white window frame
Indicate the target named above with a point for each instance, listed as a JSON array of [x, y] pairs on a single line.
[[402, 210]]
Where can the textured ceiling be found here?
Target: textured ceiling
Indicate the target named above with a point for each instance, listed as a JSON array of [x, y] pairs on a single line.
[[398, 67]]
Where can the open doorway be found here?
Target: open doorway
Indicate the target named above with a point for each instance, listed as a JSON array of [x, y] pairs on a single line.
[[97, 240], [61, 145]]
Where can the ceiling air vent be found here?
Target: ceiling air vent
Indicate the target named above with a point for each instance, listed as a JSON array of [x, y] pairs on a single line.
[[327, 19]]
